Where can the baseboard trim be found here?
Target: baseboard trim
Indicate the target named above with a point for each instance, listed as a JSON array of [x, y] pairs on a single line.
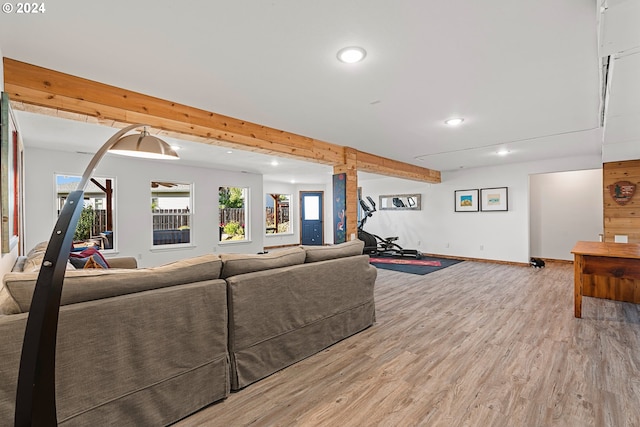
[[493, 261]]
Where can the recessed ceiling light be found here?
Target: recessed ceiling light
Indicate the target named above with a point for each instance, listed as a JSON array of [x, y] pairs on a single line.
[[503, 152], [454, 122], [229, 152], [176, 147], [274, 163], [351, 54]]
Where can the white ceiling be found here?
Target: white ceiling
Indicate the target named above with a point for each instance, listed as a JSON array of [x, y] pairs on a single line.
[[526, 76]]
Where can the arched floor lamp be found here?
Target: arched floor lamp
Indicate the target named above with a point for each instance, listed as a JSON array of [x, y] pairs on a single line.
[[36, 394]]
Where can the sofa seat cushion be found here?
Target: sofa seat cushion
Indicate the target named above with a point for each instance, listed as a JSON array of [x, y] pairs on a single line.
[[94, 284], [341, 250], [236, 264]]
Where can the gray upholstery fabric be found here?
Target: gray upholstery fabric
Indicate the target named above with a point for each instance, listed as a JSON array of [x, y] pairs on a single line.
[[87, 285], [235, 264], [151, 346], [33, 260], [278, 317], [147, 359], [114, 262], [323, 253], [7, 304], [123, 262]]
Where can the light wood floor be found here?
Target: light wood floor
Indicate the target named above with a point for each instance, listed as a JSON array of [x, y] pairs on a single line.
[[475, 344]]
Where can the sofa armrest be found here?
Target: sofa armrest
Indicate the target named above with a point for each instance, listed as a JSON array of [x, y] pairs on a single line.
[[123, 262]]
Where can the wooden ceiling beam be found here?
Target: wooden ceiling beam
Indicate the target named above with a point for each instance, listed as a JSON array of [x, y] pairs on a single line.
[[61, 94], [368, 162]]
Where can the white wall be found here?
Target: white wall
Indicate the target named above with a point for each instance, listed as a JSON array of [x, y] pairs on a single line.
[[434, 229], [438, 229], [133, 201], [294, 189], [565, 207]]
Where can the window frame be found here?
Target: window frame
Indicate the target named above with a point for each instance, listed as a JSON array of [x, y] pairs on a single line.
[[189, 214], [247, 217], [58, 203], [290, 231]]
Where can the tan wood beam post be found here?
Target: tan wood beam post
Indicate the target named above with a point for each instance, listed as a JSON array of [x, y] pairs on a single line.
[[60, 94], [350, 169]]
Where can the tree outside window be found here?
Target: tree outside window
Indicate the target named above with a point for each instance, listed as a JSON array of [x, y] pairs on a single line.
[[96, 223], [277, 213], [232, 204]]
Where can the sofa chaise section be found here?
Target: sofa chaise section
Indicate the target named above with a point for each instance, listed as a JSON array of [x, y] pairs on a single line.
[[282, 315], [136, 347]]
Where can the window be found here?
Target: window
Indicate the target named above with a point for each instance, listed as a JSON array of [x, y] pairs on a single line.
[[171, 211], [232, 203], [277, 213], [96, 223]]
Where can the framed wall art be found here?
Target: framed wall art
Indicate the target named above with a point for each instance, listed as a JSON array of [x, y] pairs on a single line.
[[10, 176], [339, 208], [466, 201], [494, 199]]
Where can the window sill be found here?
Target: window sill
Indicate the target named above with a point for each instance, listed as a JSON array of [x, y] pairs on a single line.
[[168, 248], [234, 242]]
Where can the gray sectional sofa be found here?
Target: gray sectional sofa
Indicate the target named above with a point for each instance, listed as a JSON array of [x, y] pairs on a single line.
[[149, 346]]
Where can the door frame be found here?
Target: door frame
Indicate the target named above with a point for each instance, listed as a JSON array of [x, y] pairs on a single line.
[[300, 198]]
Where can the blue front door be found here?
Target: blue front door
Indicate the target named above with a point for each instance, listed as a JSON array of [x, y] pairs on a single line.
[[311, 214]]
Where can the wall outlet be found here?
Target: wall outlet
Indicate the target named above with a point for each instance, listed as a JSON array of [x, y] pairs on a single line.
[[447, 245], [482, 247]]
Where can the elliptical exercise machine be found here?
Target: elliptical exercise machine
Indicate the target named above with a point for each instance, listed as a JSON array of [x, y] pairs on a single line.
[[376, 245]]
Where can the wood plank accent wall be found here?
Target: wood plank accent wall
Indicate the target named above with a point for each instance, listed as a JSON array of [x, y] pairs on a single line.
[[621, 220]]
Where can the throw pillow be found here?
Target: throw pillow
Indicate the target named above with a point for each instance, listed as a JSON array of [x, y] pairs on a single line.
[[92, 261], [87, 253]]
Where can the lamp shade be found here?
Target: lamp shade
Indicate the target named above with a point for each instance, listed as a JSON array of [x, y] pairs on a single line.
[[143, 145]]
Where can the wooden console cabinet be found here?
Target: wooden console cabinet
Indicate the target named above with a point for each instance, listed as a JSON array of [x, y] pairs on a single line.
[[606, 270]]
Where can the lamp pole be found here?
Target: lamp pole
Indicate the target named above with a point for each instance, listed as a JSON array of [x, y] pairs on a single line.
[[36, 393]]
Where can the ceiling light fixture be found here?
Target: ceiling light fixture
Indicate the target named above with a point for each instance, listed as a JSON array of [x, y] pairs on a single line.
[[274, 163], [143, 145], [351, 54], [454, 122], [503, 152]]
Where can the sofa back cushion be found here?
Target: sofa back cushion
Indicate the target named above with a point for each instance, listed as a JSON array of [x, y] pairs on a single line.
[[34, 258], [235, 264], [93, 284], [341, 250]]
